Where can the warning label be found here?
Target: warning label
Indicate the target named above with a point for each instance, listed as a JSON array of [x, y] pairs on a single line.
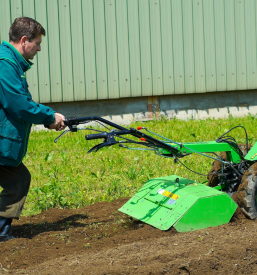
[[168, 194]]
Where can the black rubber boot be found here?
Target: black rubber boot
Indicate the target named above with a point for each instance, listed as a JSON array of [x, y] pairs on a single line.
[[5, 229]]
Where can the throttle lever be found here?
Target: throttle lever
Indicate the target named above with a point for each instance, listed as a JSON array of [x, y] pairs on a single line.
[[108, 141]]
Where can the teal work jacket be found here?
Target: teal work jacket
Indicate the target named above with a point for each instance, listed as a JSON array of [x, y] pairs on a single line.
[[17, 109]]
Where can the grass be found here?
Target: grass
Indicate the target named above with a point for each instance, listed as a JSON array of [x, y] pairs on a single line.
[[65, 176]]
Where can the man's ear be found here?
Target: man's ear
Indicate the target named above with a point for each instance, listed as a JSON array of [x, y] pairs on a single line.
[[24, 40]]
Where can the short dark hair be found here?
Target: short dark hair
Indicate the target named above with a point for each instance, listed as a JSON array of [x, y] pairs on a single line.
[[25, 26]]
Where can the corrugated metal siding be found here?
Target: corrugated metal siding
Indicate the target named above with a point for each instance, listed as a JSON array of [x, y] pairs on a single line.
[[99, 49]]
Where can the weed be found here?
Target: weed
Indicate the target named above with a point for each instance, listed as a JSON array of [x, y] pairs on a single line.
[[87, 246]]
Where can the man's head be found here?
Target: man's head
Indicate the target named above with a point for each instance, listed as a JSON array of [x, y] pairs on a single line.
[[25, 35]]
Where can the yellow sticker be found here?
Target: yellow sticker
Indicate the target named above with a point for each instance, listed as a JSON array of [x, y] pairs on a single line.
[[168, 194], [175, 197]]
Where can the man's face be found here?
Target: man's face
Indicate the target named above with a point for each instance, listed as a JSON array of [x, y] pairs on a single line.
[[31, 48]]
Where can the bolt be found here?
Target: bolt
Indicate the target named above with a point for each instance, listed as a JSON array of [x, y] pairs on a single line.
[[17, 7], [92, 80], [46, 83], [114, 79], [34, 84], [64, 5], [57, 82], [69, 82], [170, 76], [80, 81], [103, 80]]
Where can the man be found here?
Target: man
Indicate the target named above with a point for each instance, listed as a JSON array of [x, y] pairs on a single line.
[[17, 114]]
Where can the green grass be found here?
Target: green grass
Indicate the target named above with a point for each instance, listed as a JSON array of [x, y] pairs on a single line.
[[65, 176]]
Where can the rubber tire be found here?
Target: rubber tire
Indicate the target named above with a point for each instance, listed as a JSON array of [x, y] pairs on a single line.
[[247, 192], [216, 166]]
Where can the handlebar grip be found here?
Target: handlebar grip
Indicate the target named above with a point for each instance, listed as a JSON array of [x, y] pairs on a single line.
[[69, 121], [96, 136]]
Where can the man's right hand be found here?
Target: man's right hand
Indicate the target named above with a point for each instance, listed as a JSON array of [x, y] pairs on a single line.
[[58, 124]]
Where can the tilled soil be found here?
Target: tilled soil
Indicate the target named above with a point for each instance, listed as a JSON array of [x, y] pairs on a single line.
[[98, 239]]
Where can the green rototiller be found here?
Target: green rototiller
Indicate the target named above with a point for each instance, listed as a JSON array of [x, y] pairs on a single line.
[[180, 202]]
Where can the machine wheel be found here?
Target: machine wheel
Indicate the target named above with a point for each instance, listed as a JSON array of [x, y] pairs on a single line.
[[246, 195], [212, 177]]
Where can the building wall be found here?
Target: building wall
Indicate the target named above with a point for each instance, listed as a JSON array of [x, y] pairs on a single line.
[[99, 49]]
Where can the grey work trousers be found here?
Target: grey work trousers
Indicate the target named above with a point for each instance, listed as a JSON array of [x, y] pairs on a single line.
[[15, 182]]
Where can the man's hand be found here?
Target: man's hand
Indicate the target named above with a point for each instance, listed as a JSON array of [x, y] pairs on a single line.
[[58, 124]]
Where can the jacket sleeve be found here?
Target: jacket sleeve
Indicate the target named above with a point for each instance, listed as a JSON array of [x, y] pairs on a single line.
[[16, 102]]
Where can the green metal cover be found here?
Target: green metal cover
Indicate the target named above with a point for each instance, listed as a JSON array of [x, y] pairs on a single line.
[[186, 205], [252, 154]]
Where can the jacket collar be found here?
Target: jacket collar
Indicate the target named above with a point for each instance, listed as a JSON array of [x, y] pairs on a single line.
[[25, 64]]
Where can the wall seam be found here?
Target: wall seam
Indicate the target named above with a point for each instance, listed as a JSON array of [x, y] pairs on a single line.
[[82, 29]]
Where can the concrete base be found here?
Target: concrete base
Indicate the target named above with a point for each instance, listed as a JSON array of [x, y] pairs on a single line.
[[184, 106]]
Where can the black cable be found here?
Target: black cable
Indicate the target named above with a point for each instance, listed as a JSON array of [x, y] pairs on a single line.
[[206, 175], [236, 145]]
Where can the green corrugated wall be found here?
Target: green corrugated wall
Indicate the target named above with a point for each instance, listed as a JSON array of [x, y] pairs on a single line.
[[99, 49]]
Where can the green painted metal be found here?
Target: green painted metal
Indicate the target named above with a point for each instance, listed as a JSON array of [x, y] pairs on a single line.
[[89, 50], [167, 47], [240, 44], [145, 48], [156, 48], [199, 46], [209, 46], [54, 52], [206, 147], [220, 44], [186, 205], [134, 47], [252, 154], [250, 32], [230, 30], [32, 75], [77, 53], [99, 49], [111, 48], [44, 84], [188, 46], [177, 41], [66, 50], [123, 49], [212, 210]]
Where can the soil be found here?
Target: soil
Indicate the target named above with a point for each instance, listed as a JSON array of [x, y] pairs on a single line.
[[98, 239]]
